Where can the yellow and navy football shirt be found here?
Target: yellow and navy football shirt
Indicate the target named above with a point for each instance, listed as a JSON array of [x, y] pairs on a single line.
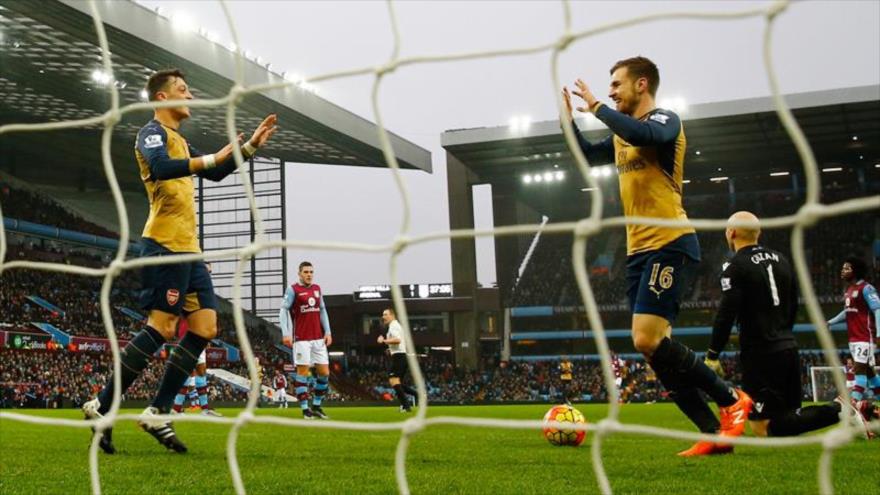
[[565, 368], [649, 155], [163, 158]]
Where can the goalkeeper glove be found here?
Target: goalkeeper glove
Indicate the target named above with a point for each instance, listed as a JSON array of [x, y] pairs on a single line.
[[713, 363]]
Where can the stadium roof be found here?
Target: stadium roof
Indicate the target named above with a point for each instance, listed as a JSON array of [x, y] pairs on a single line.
[[741, 137], [48, 58]]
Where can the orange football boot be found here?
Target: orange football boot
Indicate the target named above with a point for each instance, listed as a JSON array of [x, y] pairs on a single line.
[[704, 447], [733, 418]]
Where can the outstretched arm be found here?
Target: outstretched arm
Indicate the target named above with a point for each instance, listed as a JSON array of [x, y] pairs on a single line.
[[662, 126], [840, 318], [225, 164]]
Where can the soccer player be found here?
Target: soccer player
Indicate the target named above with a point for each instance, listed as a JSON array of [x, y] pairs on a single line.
[[565, 377], [305, 326], [616, 365], [279, 383], [167, 163], [648, 147], [760, 293], [393, 338], [862, 313]]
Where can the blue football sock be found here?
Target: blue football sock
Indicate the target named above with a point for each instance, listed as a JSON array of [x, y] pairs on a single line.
[[874, 385], [202, 388], [858, 389], [322, 383]]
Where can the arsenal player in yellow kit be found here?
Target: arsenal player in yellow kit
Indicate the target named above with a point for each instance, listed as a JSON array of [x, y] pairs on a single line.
[[648, 147], [167, 163]]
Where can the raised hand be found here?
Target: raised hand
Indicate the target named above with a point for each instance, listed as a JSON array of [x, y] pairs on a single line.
[[264, 131], [566, 98], [225, 152], [584, 92]]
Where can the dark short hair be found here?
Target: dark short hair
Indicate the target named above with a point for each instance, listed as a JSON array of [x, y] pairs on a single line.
[[160, 79], [638, 67], [391, 310], [303, 265], [859, 267]]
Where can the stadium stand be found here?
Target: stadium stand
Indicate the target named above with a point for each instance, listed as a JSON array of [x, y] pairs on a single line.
[[22, 204], [549, 281], [62, 377]]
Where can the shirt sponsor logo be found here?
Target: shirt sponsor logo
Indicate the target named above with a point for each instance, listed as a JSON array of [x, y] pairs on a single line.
[[153, 141], [659, 117], [625, 167], [725, 283]]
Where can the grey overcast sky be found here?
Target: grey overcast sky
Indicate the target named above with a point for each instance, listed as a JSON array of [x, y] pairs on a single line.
[[817, 45]]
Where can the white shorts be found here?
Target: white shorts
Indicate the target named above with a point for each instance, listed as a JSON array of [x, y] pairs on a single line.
[[862, 352], [310, 352], [280, 395], [202, 359]]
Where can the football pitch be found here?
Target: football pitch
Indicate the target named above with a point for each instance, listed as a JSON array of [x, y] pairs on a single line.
[[443, 459]]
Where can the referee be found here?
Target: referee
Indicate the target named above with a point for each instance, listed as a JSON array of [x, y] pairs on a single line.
[[399, 367], [759, 292]]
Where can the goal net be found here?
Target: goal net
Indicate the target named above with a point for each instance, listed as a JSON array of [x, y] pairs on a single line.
[[811, 212]]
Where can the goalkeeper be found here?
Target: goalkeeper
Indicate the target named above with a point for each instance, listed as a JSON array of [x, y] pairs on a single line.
[[760, 292]]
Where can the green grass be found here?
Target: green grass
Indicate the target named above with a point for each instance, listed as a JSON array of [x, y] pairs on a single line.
[[442, 459]]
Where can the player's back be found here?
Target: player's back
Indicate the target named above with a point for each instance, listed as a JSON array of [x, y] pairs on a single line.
[[767, 311]]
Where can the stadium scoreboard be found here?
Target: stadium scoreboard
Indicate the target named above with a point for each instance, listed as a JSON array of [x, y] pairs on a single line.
[[410, 291]]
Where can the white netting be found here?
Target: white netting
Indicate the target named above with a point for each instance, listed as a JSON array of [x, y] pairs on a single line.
[[809, 214]]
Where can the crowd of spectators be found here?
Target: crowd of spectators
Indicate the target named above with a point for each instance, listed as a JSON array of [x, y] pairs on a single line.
[[62, 378], [549, 280], [22, 204], [77, 296], [540, 381]]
